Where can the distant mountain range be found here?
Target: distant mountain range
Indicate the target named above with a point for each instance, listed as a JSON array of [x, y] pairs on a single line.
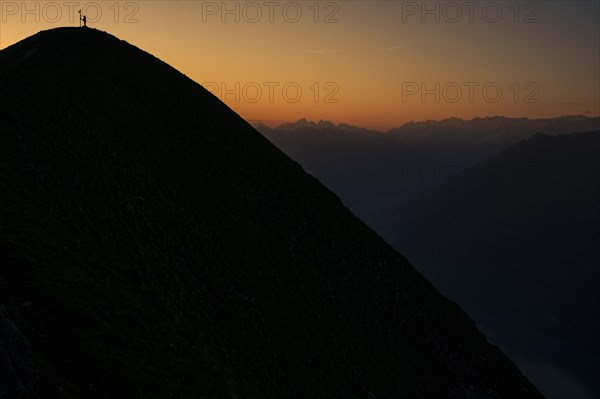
[[154, 245], [374, 172], [448, 140], [367, 169], [474, 140]]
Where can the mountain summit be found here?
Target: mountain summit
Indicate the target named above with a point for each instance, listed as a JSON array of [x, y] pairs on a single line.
[[154, 245]]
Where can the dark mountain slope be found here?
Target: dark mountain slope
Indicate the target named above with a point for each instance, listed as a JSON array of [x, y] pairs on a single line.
[[515, 241], [541, 191], [154, 245]]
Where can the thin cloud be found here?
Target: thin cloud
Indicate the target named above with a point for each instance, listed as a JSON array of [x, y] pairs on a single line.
[[325, 51]]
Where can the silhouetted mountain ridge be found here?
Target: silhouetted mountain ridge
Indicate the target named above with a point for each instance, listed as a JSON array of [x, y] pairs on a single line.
[[154, 245]]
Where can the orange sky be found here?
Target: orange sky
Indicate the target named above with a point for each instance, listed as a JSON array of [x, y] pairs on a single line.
[[376, 64]]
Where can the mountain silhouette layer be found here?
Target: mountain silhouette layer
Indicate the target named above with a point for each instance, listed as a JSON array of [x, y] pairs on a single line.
[[376, 173], [475, 140], [537, 200], [514, 241], [366, 168], [154, 245]]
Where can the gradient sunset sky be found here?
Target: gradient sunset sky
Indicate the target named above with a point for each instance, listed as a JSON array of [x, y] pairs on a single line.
[[359, 62]]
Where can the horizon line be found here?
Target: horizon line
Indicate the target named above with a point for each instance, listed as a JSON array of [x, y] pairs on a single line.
[[275, 123]]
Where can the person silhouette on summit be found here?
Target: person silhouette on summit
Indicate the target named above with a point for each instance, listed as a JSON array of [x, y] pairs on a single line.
[[82, 18]]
